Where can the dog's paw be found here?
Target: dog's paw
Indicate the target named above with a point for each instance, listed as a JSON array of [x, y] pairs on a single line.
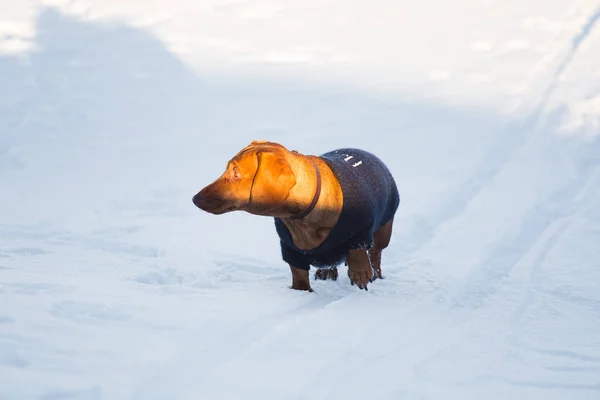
[[302, 287], [360, 278], [300, 280], [325, 274]]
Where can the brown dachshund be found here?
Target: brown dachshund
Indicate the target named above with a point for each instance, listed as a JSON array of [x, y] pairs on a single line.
[[329, 209]]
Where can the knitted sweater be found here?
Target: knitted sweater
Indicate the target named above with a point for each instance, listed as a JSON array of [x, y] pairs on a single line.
[[371, 199]]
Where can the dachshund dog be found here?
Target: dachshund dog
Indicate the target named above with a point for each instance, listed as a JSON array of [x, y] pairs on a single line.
[[330, 209]]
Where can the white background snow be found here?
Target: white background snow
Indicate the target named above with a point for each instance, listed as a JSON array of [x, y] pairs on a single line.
[[114, 113]]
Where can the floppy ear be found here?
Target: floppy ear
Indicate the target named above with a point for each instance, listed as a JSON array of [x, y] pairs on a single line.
[[273, 181]]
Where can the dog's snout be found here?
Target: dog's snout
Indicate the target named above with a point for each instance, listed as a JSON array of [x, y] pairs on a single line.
[[208, 201]]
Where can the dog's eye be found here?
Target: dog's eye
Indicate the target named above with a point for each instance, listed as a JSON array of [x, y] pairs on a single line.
[[236, 173]]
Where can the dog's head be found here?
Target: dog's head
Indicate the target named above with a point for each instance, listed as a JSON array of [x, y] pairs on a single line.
[[258, 180]]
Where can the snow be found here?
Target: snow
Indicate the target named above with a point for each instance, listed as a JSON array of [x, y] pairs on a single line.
[[114, 114]]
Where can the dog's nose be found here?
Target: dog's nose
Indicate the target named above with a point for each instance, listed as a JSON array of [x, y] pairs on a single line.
[[197, 200], [207, 201]]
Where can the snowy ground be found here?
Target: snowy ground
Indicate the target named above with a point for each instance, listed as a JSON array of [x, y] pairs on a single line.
[[113, 114]]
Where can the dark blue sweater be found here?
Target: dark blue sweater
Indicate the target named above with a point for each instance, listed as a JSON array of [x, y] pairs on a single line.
[[370, 201]]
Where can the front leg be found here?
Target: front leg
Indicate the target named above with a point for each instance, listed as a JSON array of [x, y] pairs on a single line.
[[359, 268], [300, 280]]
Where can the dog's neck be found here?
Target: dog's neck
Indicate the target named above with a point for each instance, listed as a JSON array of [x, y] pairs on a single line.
[[311, 230], [315, 198], [306, 170]]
